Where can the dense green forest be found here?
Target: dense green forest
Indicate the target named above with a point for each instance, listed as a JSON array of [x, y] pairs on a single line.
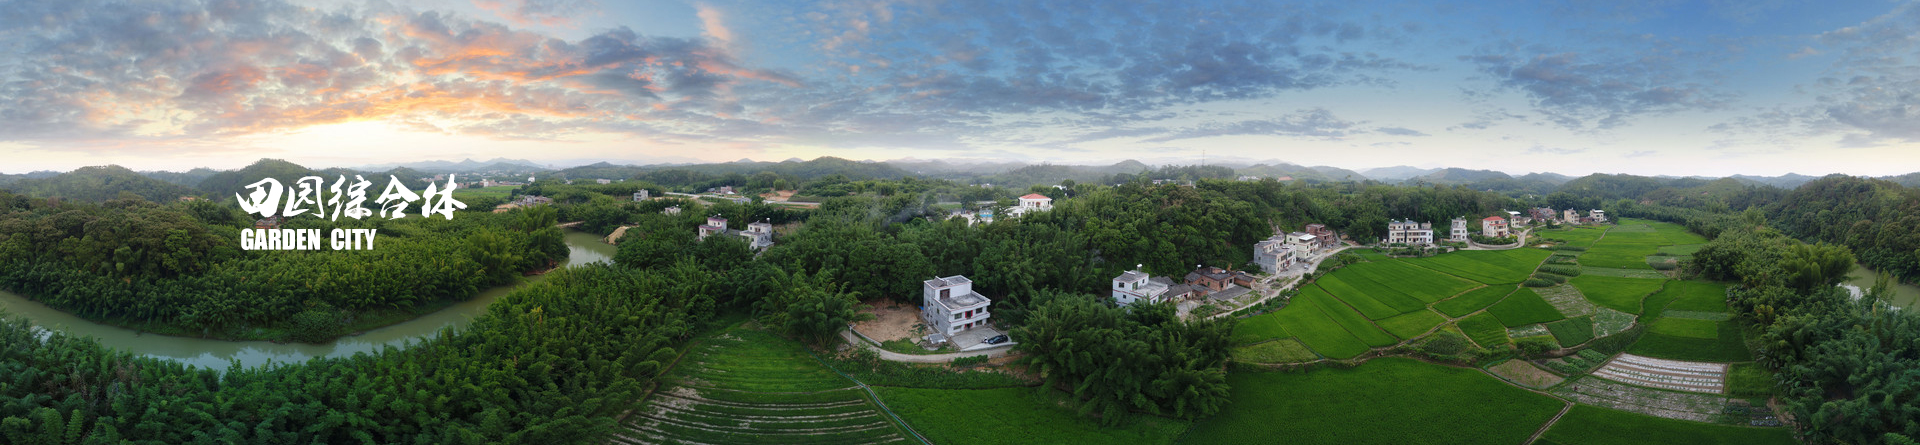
[[178, 268]]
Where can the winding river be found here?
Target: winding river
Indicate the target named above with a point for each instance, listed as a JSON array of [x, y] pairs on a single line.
[[584, 248]]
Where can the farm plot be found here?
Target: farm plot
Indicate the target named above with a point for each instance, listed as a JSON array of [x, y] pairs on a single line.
[[1697, 296], [1674, 375], [1608, 322], [1576, 236], [1303, 320], [1007, 416], [1387, 400], [1683, 250], [748, 386], [1572, 331], [1485, 330], [1651, 402], [1622, 273], [1374, 304], [1474, 300], [1347, 318], [1609, 254], [1524, 307], [1525, 374], [1420, 283], [1618, 236], [1688, 339], [1285, 350], [1567, 300], [1412, 324], [1486, 266], [1587, 425], [1621, 294]]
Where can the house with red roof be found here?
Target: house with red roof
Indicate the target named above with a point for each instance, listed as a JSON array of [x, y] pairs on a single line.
[[1032, 202], [1495, 227]]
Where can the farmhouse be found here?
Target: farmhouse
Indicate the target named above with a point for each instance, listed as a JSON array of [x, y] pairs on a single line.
[[950, 306], [1459, 232], [1303, 242], [675, 210], [1597, 215], [1409, 232], [1324, 235], [1542, 214], [759, 235], [1274, 255], [603, 181], [1214, 279], [1517, 218], [640, 195], [1570, 217], [1032, 202], [1494, 227], [1137, 287]]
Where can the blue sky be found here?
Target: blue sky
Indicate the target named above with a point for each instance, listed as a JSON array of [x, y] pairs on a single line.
[[1653, 87]]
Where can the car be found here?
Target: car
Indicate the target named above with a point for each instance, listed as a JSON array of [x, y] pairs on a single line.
[[997, 339]]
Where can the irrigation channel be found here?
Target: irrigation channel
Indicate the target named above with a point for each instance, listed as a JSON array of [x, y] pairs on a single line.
[[217, 354]]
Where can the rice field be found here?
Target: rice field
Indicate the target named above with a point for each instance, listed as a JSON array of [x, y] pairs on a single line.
[[1370, 304], [1009, 416], [1285, 350], [1486, 266], [1572, 331], [1589, 425], [1524, 307], [1574, 236], [1699, 340], [1304, 320], [1621, 294], [1485, 330], [1347, 318], [1387, 400], [748, 386], [1697, 296], [1412, 324], [1473, 301], [1621, 255]]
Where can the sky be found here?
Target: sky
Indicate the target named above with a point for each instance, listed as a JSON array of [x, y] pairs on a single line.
[[1659, 87]]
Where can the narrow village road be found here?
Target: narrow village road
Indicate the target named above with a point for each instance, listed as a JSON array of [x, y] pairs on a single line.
[[918, 358]]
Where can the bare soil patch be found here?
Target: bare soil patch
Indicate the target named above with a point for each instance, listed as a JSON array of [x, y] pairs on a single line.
[[891, 321], [1525, 373]]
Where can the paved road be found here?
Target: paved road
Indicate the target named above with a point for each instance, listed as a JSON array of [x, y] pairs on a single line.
[[915, 358], [1517, 244]]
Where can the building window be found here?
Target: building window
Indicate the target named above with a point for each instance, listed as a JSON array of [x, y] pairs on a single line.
[[956, 316], [944, 293]]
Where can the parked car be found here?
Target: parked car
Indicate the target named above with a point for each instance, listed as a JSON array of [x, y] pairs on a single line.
[[997, 339]]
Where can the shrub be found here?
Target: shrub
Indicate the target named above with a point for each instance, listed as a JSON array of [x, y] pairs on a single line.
[[1556, 279], [975, 360], [1572, 248], [1617, 343], [1537, 282], [317, 324], [1535, 346], [1445, 343], [1571, 271], [1663, 265]]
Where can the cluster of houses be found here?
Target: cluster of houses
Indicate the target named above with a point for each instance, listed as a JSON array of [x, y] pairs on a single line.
[[524, 201], [759, 234], [1283, 251], [1420, 233]]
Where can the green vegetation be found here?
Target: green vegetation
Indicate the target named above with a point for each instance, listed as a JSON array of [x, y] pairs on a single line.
[[1285, 350], [1387, 400], [1486, 266], [1681, 327], [1309, 324], [746, 385], [1749, 380], [1524, 307], [1473, 301], [1572, 331], [1589, 425], [1349, 320], [1412, 324], [1579, 236], [1618, 255], [1017, 416], [1701, 340], [1698, 296], [499, 193], [1367, 303], [1621, 294], [1485, 330], [1152, 361]]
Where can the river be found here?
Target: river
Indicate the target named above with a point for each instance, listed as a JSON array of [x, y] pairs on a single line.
[[1904, 295], [583, 248]]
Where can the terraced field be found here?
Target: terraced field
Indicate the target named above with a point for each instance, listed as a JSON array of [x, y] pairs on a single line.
[[1016, 416], [1305, 320], [745, 386], [1412, 324], [1524, 307], [1387, 400], [1485, 330], [1588, 425], [1621, 294], [1473, 301]]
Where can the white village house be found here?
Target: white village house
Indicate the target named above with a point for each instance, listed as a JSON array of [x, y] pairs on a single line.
[[1274, 255], [1409, 232], [1137, 287], [949, 305], [759, 235], [1032, 202], [1494, 227], [1459, 233]]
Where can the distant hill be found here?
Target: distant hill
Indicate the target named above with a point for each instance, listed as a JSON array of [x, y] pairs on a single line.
[[465, 165], [1787, 181], [189, 178], [1396, 173], [100, 184], [1909, 180], [1451, 176], [1300, 172]]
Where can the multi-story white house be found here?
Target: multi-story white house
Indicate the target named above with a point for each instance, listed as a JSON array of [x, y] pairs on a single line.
[[1303, 242], [1598, 215], [759, 235], [1274, 255], [1459, 232], [640, 195], [949, 305], [1136, 287], [1409, 232], [1494, 226], [675, 210], [1570, 217], [1032, 202]]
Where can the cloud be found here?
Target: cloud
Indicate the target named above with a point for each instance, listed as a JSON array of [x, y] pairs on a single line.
[[542, 12], [1399, 131], [1313, 123], [1539, 149], [1598, 91], [1641, 153], [1870, 95]]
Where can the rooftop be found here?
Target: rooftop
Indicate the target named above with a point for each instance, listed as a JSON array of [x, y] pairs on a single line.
[[955, 280], [1231, 292], [1035, 196], [1131, 276]]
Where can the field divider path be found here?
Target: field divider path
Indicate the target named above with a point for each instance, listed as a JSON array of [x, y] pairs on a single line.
[[1549, 425]]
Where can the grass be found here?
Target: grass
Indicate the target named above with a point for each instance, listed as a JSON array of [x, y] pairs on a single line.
[[1285, 350], [1412, 324], [1259, 328], [1680, 339], [1573, 236], [1524, 307], [1572, 331], [1424, 285], [1472, 301], [1525, 374], [1485, 330], [905, 346], [1368, 304], [1486, 266], [742, 385], [1749, 380], [1016, 416], [1388, 400], [1621, 294], [1681, 250], [1589, 425], [500, 191]]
